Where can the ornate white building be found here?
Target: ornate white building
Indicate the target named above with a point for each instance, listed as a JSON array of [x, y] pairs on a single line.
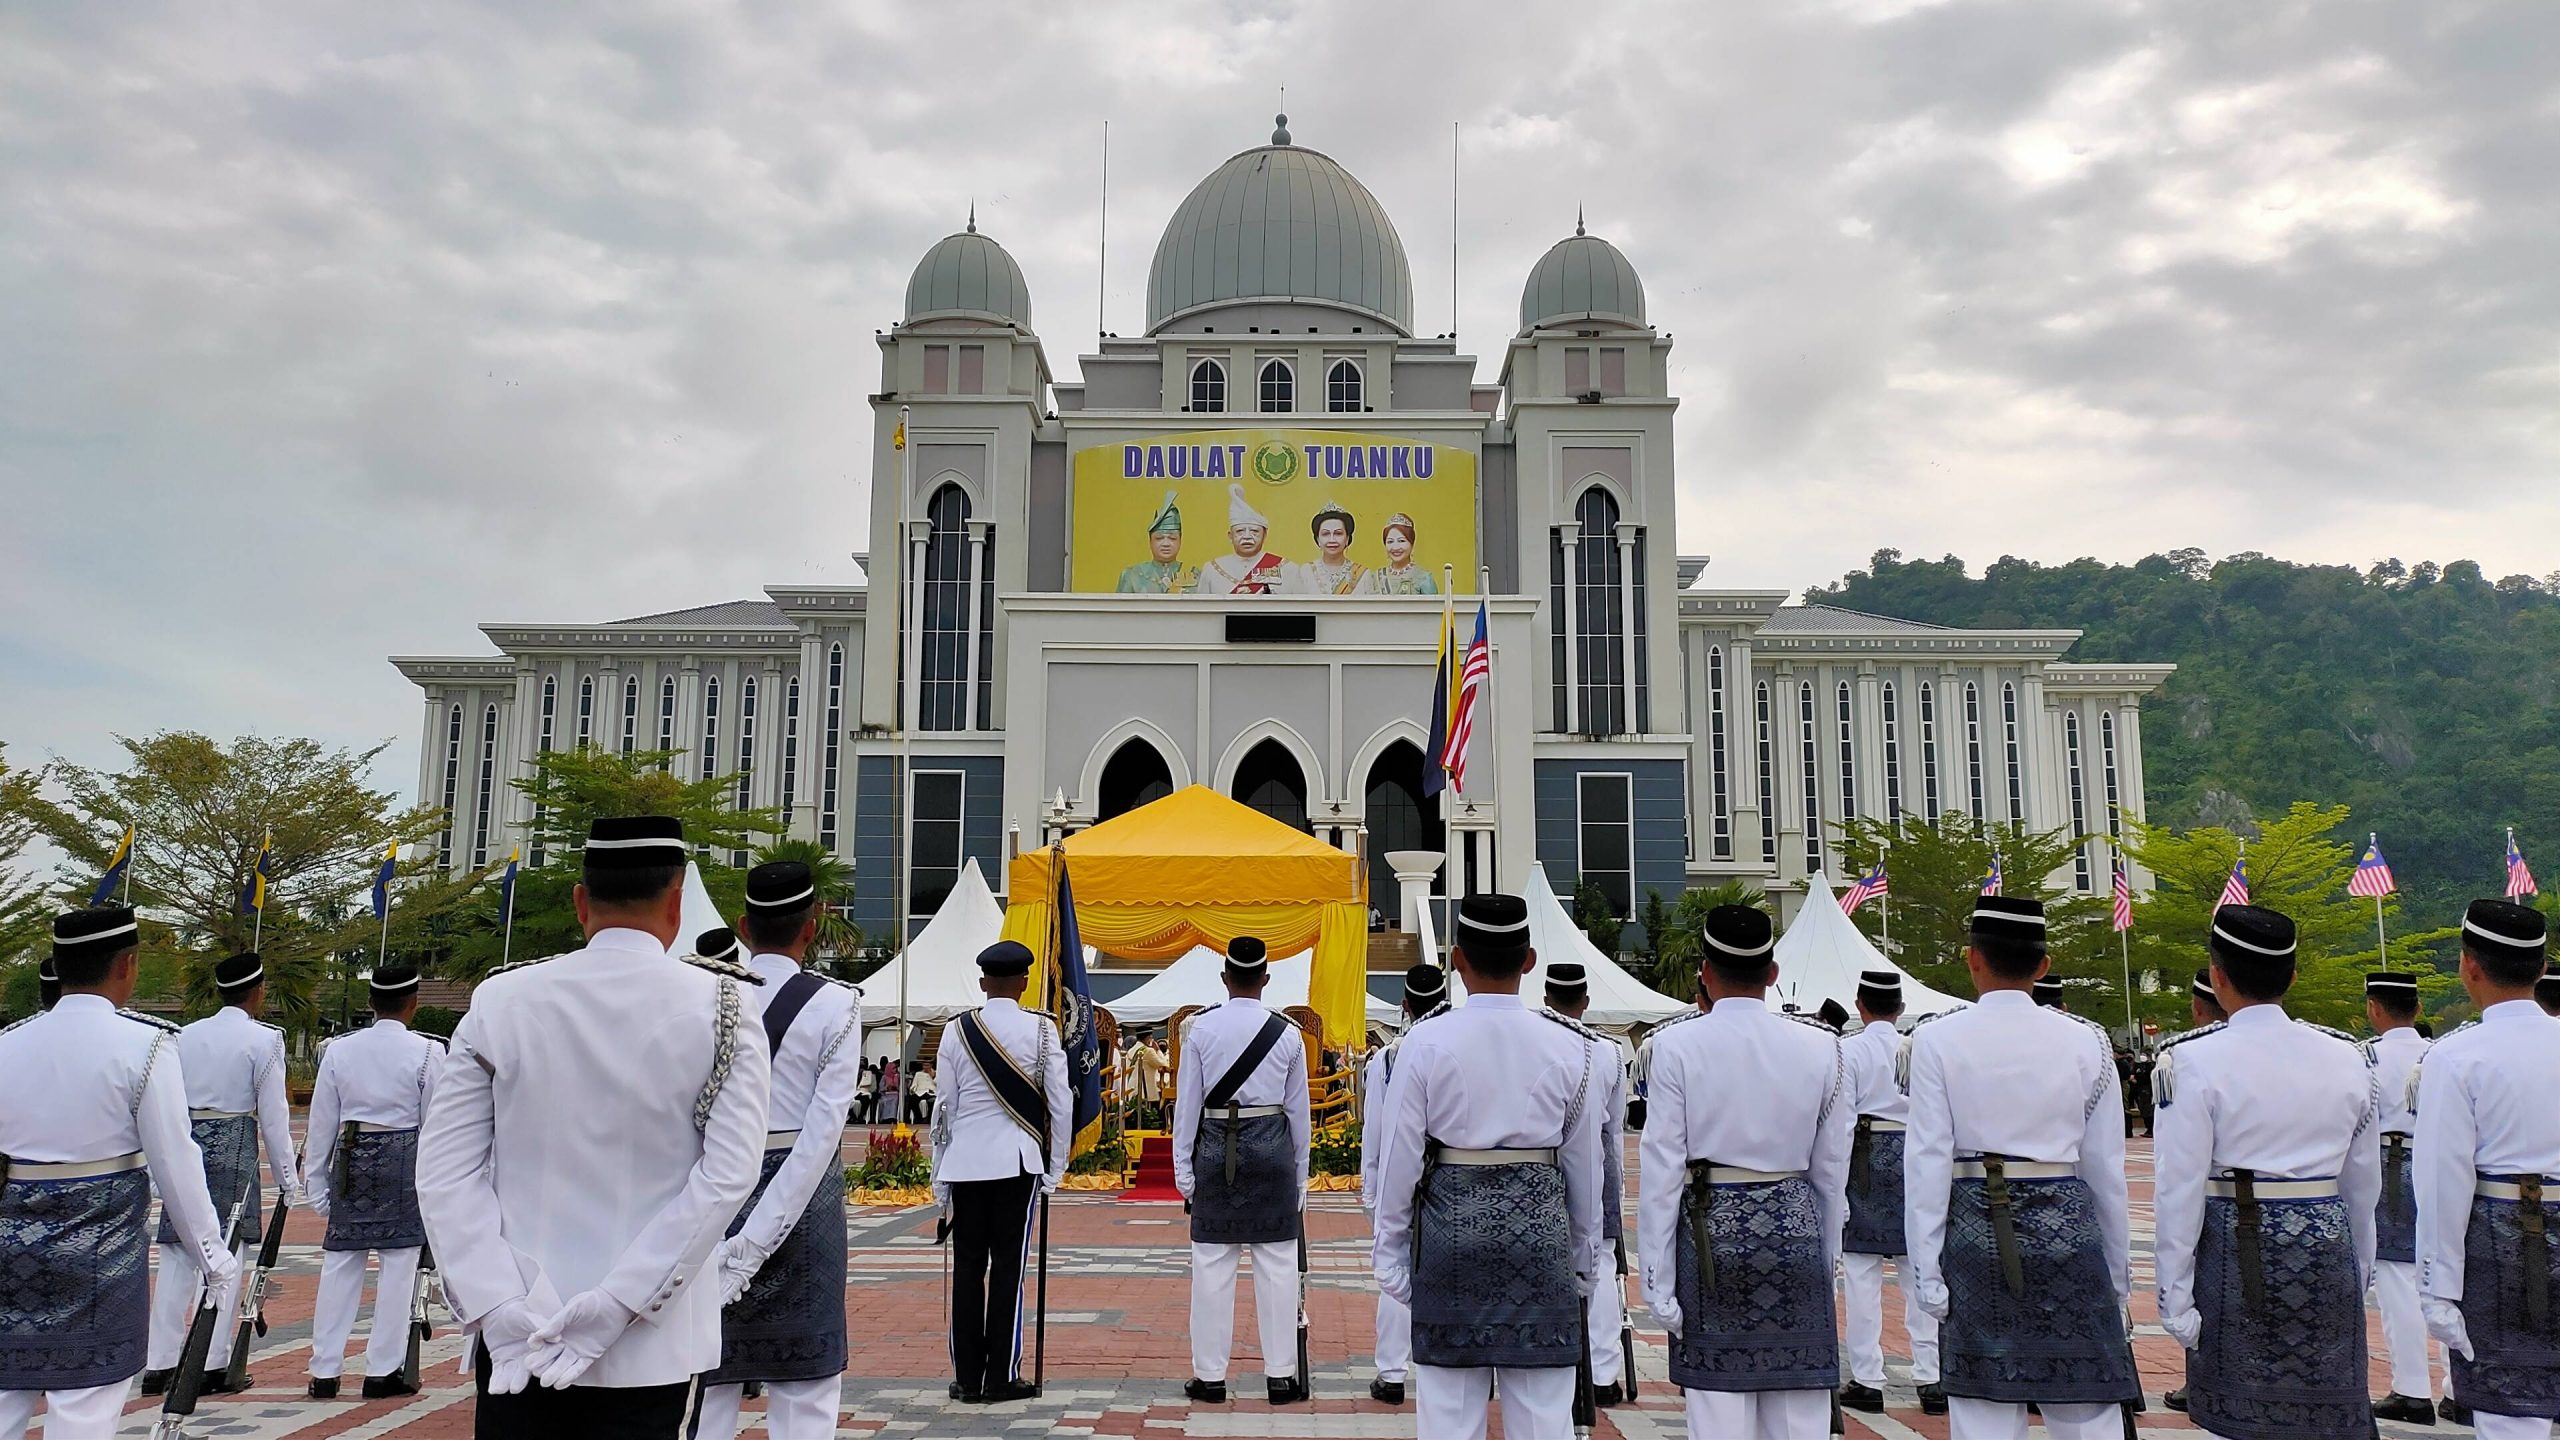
[[1643, 729]]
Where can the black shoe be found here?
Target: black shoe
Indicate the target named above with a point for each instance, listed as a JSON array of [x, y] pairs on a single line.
[[385, 1387], [1005, 1391], [1387, 1392], [323, 1389], [1287, 1390], [1604, 1396], [1933, 1399], [2454, 1412], [219, 1382], [966, 1397], [2407, 1409], [2176, 1399], [156, 1382], [1854, 1396], [1207, 1392]]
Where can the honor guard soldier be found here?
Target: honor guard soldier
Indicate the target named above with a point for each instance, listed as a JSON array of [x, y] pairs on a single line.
[[782, 1267], [1568, 987], [2269, 1164], [1240, 1136], [2391, 1007], [1746, 1154], [76, 1175], [1425, 987], [2014, 1198], [2488, 1163], [1001, 1139], [2204, 1005], [2048, 993], [235, 1100], [599, 1121], [1489, 1192], [48, 984], [360, 1168], [1874, 1230]]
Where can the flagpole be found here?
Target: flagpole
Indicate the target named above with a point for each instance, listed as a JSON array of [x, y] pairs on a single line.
[[1451, 865], [910, 693], [506, 942], [2381, 942], [126, 899]]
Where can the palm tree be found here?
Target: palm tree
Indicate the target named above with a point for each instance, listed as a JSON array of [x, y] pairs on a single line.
[[838, 936]]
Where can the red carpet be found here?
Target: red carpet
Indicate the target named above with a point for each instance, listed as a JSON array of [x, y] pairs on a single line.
[[1155, 1171]]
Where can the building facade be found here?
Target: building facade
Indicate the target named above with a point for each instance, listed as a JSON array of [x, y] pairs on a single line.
[[1221, 555]]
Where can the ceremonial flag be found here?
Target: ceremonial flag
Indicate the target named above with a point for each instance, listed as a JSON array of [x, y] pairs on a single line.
[[2235, 890], [1072, 1004], [2372, 879], [253, 895], [1435, 776], [1472, 672], [2124, 899], [382, 882], [1869, 887], [1991, 882], [2519, 879], [117, 864], [898, 437], [506, 885]]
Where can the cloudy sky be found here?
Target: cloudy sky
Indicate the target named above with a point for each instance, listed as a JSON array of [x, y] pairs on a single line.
[[328, 331]]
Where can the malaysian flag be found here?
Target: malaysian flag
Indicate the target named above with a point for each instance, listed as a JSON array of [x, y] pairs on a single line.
[[2372, 879], [2519, 879], [1991, 882], [2235, 890], [1869, 887], [1472, 672], [2124, 899]]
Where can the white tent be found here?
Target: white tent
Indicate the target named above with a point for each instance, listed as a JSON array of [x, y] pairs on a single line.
[[1822, 952], [1618, 999], [1193, 980], [939, 967]]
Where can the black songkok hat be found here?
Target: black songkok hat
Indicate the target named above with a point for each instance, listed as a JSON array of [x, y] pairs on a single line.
[[2546, 991], [1880, 989], [1833, 1014], [2202, 987], [45, 972], [634, 842], [238, 972], [395, 977], [2008, 920], [1492, 925], [1568, 980], [1247, 956], [98, 934], [2391, 984], [2251, 936], [1738, 935], [779, 885], [2048, 991], [1005, 957], [2501, 930], [720, 944], [1426, 984]]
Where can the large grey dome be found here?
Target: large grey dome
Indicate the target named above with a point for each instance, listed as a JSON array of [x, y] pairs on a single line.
[[1281, 223], [968, 275], [1582, 277]]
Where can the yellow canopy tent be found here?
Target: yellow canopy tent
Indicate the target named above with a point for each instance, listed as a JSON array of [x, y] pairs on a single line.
[[1196, 868]]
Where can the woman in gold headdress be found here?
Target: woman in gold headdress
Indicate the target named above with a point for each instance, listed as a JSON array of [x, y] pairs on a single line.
[[1400, 576], [1333, 571]]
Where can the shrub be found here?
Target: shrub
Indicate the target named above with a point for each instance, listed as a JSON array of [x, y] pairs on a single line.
[[1334, 1149], [891, 1161]]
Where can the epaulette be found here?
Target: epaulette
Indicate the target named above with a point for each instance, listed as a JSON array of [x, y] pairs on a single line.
[[725, 969], [154, 1021], [2340, 1035], [17, 1023], [1816, 1021], [2164, 1068], [514, 965], [1568, 1022], [1692, 1013], [2372, 1056], [276, 1028], [843, 985], [1434, 1013]]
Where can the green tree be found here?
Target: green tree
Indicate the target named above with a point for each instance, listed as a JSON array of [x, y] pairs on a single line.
[[1937, 869], [1596, 917], [24, 920], [2298, 868], [1675, 955]]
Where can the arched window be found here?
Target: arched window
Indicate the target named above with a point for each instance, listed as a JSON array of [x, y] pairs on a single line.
[[488, 785], [1342, 387], [1892, 756], [1591, 590], [1399, 817], [1276, 384], [710, 726], [746, 754], [1929, 752], [2009, 743], [630, 713], [1208, 387], [790, 745], [1135, 775], [944, 614], [667, 715], [1812, 778], [1720, 793], [586, 712], [452, 786], [1768, 777], [1973, 748], [828, 748], [2107, 761], [1848, 762], [1271, 781], [2079, 803], [542, 746]]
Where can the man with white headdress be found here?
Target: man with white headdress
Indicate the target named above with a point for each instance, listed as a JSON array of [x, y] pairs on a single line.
[[1251, 570]]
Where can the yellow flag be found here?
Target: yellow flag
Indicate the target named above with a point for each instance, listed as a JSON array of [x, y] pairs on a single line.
[[898, 439]]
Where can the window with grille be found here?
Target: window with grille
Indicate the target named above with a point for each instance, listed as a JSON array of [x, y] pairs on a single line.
[[2079, 805], [790, 745], [1892, 756], [2009, 744], [1811, 775], [1606, 844], [630, 713], [828, 748], [710, 726], [542, 746], [1720, 800], [1276, 384], [746, 754], [1973, 748], [2107, 762], [947, 580], [1342, 386], [488, 785], [586, 712], [452, 786], [935, 833], [1208, 386], [1768, 777], [1848, 759], [667, 715], [1598, 703]]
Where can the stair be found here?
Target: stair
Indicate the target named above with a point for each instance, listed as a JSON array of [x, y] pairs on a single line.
[[1155, 1172]]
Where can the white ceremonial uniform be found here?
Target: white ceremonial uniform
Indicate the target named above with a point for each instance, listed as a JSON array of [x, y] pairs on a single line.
[[2396, 1053], [1752, 1090], [1489, 1075], [235, 1066], [974, 1137], [110, 1086], [1213, 1042], [1608, 1304], [2009, 1077], [1377, 1113], [381, 1075], [2484, 1108], [563, 1155], [1869, 1055], [996, 1165], [814, 1077]]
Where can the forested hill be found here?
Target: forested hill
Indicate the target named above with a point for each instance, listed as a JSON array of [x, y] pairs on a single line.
[[2426, 698]]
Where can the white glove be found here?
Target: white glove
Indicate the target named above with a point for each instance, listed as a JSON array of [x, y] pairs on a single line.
[[737, 1263], [2444, 1321], [221, 1267], [1932, 1298], [576, 1338], [2184, 1326], [1667, 1310], [507, 1333]]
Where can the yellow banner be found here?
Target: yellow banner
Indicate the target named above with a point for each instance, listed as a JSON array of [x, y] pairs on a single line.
[[1273, 512]]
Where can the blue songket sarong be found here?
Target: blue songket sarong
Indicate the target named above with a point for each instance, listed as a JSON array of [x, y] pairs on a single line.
[[230, 1146], [1493, 1280], [790, 1322], [1260, 1205], [2395, 1210], [2290, 1363], [1875, 1192], [75, 1291], [374, 1205], [2515, 1364], [2060, 1341], [1761, 1318]]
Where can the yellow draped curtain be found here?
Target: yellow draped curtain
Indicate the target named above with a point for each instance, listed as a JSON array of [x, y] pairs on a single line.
[[1337, 931]]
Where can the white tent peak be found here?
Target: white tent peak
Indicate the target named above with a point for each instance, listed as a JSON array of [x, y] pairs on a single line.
[[1822, 952], [1193, 979], [940, 965], [1618, 999]]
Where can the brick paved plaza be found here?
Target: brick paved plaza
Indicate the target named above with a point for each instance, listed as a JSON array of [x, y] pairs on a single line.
[[1117, 1349]]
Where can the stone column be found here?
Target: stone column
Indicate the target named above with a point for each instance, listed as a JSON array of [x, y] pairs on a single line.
[[911, 626], [1414, 869], [1868, 723]]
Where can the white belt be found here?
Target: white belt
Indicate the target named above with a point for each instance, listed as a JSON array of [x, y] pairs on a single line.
[[1878, 1126], [2274, 1189], [90, 1169], [2018, 1170], [367, 1127], [1450, 1155], [1736, 1175], [1246, 1112], [2488, 1189], [781, 1139], [220, 1114]]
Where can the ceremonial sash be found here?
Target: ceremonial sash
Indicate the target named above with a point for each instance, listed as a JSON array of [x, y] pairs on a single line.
[[1222, 1096], [1019, 1094], [787, 1003]]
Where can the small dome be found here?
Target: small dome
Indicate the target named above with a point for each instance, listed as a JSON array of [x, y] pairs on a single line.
[[1582, 277], [968, 274], [1281, 223]]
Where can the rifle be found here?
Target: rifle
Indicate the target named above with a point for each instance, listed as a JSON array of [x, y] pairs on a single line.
[[1040, 1337], [253, 1297], [1306, 1376], [1626, 1323], [1586, 1407], [420, 1331], [189, 1381]]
